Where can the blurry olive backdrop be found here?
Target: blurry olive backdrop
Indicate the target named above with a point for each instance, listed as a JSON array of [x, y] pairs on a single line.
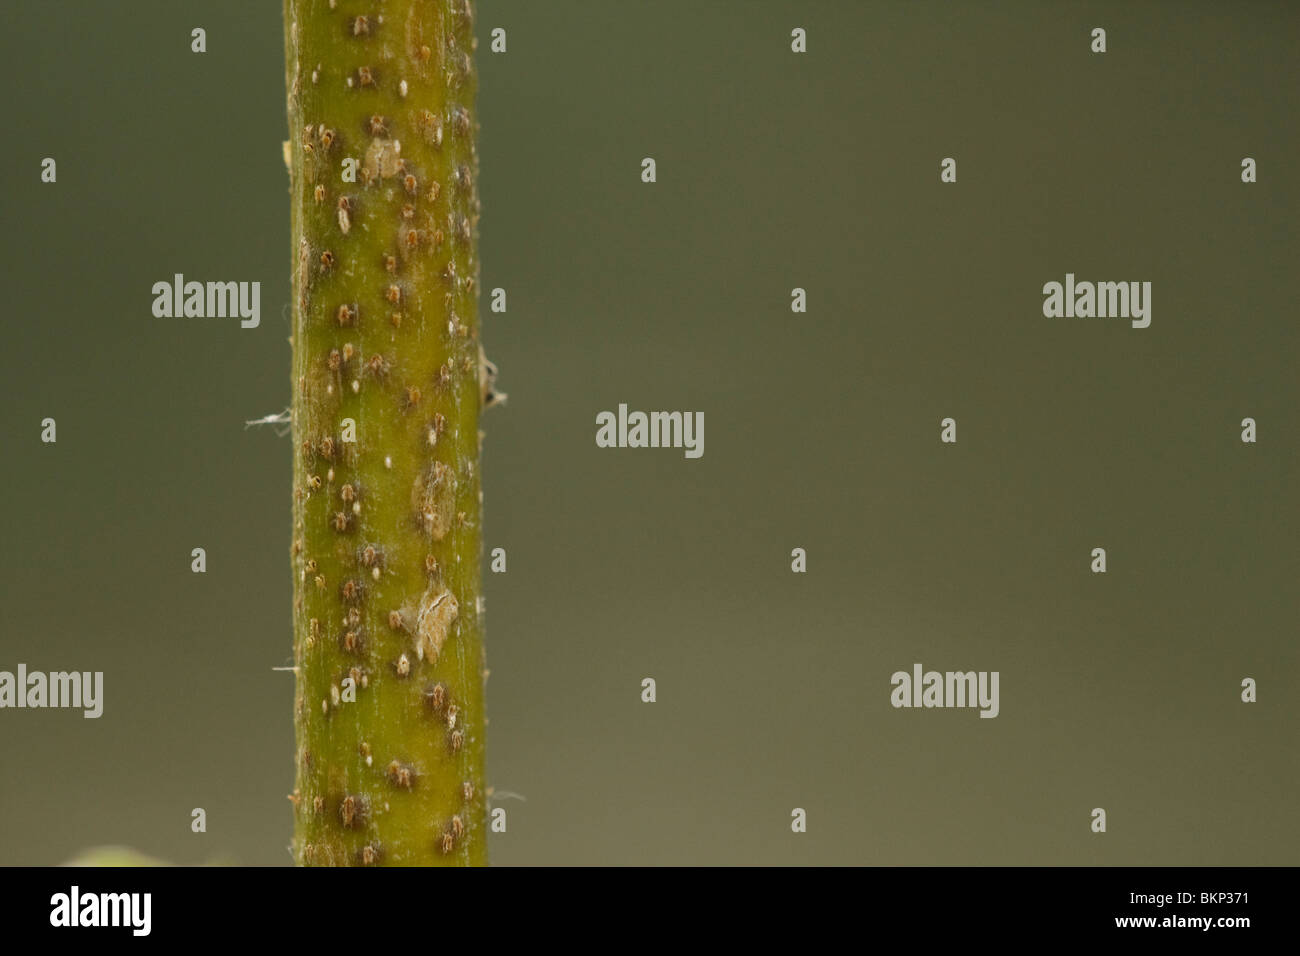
[[775, 170]]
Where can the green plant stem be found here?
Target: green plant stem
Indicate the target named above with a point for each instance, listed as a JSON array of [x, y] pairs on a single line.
[[387, 548]]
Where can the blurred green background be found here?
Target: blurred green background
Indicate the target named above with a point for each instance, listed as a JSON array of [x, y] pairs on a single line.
[[775, 170]]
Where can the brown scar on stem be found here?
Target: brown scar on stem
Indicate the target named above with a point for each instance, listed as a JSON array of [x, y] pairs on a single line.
[[353, 810], [401, 775], [433, 499], [438, 609], [351, 592], [435, 697], [353, 642], [383, 157]]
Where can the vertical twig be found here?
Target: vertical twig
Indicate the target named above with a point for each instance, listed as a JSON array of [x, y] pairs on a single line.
[[387, 389]]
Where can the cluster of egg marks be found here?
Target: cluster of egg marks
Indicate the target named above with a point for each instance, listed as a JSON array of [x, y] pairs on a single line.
[[378, 291]]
